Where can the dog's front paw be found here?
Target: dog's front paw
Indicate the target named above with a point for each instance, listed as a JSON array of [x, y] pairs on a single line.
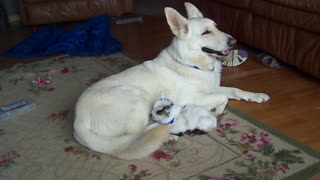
[[258, 97]]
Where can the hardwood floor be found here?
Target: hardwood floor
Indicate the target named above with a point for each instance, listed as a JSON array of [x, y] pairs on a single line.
[[294, 108]]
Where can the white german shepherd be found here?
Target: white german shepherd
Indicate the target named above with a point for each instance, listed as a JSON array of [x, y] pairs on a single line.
[[112, 115]]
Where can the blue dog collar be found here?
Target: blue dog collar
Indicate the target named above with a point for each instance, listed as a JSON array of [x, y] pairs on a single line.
[[172, 121], [194, 67]]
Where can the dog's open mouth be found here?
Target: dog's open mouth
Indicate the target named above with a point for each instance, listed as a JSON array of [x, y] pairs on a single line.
[[219, 53]]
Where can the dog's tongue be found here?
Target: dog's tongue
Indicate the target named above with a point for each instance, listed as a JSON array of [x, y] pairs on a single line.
[[225, 52]]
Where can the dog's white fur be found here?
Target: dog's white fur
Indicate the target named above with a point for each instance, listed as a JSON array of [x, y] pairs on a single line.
[[112, 115], [182, 118]]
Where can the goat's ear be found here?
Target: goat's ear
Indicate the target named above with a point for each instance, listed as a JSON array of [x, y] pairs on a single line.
[[178, 24], [192, 11], [162, 95]]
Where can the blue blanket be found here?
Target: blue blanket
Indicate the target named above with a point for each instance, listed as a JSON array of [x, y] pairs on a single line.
[[93, 38]]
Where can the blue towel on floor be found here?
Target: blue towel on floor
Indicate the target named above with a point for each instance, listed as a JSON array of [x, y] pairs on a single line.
[[93, 38]]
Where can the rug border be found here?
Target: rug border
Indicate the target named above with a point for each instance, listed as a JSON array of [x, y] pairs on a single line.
[[307, 173]]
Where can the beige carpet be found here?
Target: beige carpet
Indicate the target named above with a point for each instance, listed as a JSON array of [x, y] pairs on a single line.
[[38, 144]]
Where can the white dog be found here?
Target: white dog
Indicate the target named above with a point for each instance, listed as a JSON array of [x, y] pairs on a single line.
[[112, 115], [182, 118]]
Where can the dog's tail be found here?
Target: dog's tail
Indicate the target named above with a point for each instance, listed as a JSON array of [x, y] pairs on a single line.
[[128, 146]]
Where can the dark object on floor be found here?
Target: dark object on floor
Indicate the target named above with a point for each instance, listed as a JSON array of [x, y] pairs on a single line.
[[93, 38], [268, 61], [192, 133]]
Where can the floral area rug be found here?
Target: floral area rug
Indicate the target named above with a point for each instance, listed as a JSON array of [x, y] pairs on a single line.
[[38, 144]]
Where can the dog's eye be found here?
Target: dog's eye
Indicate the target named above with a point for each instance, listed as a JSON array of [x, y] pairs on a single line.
[[206, 32]]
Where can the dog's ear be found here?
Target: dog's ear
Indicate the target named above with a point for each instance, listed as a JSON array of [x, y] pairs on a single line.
[[178, 24], [192, 11]]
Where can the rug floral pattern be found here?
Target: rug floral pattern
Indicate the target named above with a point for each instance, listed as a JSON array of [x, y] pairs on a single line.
[[38, 143]]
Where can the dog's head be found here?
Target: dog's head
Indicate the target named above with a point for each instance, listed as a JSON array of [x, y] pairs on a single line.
[[198, 34]]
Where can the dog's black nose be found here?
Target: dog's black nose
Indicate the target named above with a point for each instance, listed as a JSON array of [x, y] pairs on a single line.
[[232, 41]]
